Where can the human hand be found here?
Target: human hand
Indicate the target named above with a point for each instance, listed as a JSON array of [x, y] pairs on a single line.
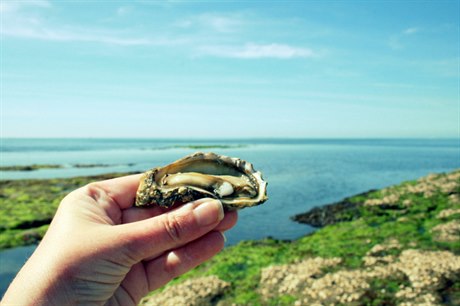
[[99, 250]]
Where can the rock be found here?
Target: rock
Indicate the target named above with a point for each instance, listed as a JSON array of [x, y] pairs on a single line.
[[449, 231], [393, 197], [379, 254], [344, 210], [423, 275], [428, 272], [293, 278], [446, 213], [200, 291]]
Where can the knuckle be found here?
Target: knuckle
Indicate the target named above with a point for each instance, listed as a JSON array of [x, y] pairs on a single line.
[[174, 228], [94, 190], [98, 193]]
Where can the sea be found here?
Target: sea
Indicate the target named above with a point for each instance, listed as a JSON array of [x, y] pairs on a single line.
[[301, 173]]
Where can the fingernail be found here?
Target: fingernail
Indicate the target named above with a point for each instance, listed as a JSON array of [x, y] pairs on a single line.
[[209, 212], [223, 235]]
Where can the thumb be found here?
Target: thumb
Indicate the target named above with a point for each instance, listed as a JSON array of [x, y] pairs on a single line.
[[150, 238]]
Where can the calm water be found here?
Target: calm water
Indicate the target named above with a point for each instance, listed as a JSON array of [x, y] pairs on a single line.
[[301, 173]]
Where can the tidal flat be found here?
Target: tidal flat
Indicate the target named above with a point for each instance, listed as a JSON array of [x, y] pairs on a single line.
[[35, 167], [399, 245], [27, 206], [30, 167], [395, 246]]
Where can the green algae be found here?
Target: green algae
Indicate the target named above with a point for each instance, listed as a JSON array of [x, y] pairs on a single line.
[[411, 225], [30, 167], [27, 206]]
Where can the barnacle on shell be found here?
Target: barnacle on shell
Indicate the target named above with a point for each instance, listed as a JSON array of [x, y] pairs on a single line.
[[231, 180]]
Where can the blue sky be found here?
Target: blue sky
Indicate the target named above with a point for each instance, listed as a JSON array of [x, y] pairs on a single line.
[[218, 69]]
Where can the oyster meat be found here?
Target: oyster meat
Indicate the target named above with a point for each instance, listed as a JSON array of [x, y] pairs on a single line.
[[203, 175]]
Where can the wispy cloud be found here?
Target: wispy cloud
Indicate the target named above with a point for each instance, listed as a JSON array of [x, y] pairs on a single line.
[[43, 33], [410, 31], [220, 23], [397, 41], [254, 51], [21, 23], [224, 23], [26, 30], [203, 35], [11, 6]]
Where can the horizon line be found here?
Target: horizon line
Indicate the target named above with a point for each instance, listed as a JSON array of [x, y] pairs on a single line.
[[242, 138]]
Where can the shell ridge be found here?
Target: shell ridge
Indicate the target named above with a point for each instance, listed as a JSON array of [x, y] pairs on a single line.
[[153, 192]]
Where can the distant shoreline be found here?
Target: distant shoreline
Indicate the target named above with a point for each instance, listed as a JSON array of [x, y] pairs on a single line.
[[9, 145], [198, 139], [17, 229], [35, 167]]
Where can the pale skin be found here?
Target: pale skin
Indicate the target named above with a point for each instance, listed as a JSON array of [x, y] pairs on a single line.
[[100, 250]]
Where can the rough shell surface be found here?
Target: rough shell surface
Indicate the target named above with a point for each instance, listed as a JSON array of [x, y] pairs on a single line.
[[231, 180]]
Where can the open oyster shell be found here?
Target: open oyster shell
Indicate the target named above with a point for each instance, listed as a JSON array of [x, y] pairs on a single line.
[[203, 175]]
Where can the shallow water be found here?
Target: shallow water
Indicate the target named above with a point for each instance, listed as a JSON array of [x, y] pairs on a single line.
[[10, 263], [301, 174]]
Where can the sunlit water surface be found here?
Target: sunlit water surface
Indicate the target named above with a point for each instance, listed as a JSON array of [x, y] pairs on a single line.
[[301, 174]]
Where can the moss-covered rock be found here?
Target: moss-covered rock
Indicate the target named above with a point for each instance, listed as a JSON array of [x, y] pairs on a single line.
[[395, 246], [386, 252], [27, 206]]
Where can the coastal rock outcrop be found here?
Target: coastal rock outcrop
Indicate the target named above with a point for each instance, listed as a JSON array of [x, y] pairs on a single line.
[[345, 210], [293, 278], [394, 197], [449, 231], [398, 246], [419, 274], [200, 291]]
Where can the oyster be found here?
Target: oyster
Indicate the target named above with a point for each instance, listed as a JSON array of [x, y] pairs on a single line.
[[203, 175]]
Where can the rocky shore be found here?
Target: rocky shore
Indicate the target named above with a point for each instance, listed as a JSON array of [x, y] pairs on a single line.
[[395, 246], [27, 206], [345, 210]]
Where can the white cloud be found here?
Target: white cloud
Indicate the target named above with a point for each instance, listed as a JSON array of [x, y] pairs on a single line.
[[410, 31], [34, 29], [254, 51], [220, 23], [84, 35], [20, 23], [223, 23], [17, 5]]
